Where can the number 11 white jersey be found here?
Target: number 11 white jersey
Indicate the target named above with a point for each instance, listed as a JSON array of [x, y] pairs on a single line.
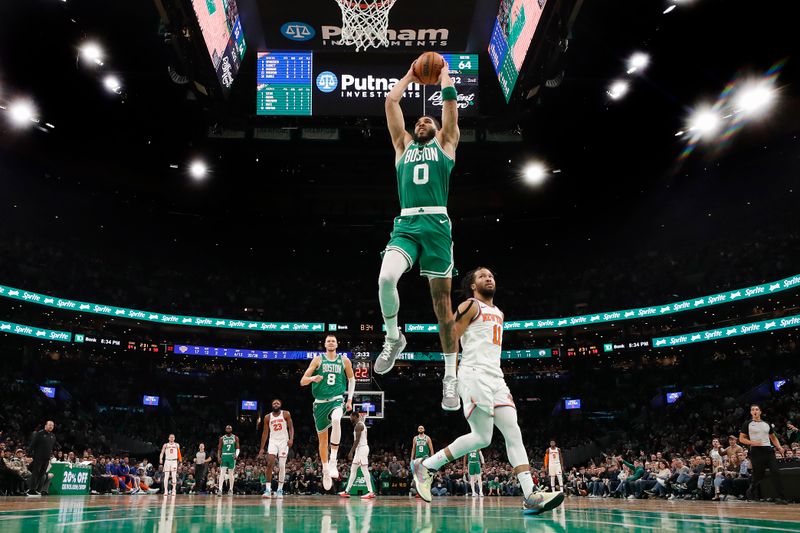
[[482, 341]]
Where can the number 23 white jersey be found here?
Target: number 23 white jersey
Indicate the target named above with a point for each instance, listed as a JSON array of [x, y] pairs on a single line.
[[278, 432]]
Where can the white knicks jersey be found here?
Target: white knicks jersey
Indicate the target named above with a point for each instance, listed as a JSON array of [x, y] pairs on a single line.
[[171, 451], [363, 440], [555, 457], [278, 432], [482, 341]]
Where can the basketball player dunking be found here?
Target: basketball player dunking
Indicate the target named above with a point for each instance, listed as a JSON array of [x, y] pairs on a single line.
[[169, 457], [485, 395], [326, 374], [423, 230], [278, 426]]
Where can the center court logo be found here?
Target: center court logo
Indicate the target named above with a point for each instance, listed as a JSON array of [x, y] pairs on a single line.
[[327, 81], [298, 31]]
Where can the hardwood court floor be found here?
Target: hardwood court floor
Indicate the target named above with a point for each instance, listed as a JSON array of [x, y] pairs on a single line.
[[330, 514]]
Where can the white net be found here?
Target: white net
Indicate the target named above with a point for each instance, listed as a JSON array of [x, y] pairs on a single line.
[[365, 22]]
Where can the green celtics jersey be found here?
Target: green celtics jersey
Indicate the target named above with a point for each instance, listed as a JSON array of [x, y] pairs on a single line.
[[228, 445], [333, 382], [421, 448], [474, 463], [423, 175]]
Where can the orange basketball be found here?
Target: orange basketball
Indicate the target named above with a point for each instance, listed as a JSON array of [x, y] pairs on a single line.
[[428, 66]]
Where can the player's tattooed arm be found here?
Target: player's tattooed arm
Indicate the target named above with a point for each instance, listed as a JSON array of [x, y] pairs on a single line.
[[465, 314]]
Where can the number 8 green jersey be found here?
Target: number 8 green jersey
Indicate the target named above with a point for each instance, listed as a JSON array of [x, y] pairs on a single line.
[[423, 175], [333, 382]]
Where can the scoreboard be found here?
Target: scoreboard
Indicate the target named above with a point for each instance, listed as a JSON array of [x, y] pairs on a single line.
[[362, 367], [304, 83]]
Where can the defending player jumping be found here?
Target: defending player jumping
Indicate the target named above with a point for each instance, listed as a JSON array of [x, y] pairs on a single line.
[[486, 398], [279, 428], [326, 375], [423, 231], [227, 453]]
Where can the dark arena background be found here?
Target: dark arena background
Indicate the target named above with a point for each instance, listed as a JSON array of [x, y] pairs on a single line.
[[194, 194]]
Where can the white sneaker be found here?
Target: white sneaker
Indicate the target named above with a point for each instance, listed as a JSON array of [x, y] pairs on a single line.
[[539, 502], [391, 349], [267, 493], [631, 497], [333, 468], [327, 482], [450, 399]]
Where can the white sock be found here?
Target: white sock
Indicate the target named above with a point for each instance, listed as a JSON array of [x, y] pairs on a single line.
[[393, 266], [450, 360], [526, 483], [334, 452]]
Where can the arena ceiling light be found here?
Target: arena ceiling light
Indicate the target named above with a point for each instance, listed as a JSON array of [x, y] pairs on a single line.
[[618, 89], [198, 170], [638, 62], [754, 98], [705, 122], [112, 84], [92, 53], [534, 173], [22, 113]]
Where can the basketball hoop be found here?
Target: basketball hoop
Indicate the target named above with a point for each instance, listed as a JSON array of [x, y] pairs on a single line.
[[365, 23]]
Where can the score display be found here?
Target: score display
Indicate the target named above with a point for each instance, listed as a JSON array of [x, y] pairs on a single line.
[[362, 367], [511, 38], [283, 83], [336, 84]]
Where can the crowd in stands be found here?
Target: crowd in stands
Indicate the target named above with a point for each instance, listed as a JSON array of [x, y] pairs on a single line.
[[652, 450]]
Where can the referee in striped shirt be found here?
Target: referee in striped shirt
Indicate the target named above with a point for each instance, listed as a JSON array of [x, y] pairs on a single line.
[[760, 436]]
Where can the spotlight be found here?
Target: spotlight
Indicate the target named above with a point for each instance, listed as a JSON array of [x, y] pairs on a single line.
[[618, 89], [92, 53], [705, 122], [754, 98], [198, 170], [112, 83], [22, 113], [534, 173], [638, 61]]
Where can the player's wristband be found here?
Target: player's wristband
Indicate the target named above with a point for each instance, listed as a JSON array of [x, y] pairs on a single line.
[[449, 93]]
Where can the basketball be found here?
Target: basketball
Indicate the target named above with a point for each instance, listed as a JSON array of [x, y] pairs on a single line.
[[428, 66]]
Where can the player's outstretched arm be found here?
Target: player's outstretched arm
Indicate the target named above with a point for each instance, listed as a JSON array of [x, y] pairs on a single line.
[[308, 378], [450, 134], [394, 114], [465, 314]]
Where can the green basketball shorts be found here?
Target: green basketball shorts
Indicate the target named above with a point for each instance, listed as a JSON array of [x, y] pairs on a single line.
[[228, 461], [427, 239], [322, 413]]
